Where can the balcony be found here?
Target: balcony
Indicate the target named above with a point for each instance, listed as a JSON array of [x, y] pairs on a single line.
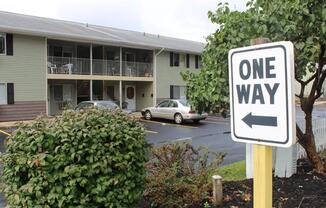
[[137, 69], [67, 65], [81, 66], [106, 67]]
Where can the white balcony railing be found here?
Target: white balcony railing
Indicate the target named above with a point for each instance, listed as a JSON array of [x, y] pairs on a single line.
[[67, 65], [137, 69], [81, 66], [106, 67]]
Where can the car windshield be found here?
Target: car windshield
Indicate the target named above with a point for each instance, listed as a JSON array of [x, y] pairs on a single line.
[[184, 103], [107, 105]]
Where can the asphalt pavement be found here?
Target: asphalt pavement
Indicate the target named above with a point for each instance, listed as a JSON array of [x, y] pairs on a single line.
[[213, 133]]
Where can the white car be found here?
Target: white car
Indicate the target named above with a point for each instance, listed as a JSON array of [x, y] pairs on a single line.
[[173, 109]]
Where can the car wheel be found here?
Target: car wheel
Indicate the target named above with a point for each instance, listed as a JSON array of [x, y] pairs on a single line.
[[196, 121], [148, 115], [178, 118]]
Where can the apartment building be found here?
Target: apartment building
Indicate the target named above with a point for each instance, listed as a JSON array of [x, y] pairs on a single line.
[[47, 65]]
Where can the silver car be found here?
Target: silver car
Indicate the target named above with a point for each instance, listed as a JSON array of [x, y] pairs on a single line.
[[173, 109], [103, 104]]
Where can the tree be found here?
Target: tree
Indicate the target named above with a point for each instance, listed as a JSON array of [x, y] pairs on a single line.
[[303, 22]]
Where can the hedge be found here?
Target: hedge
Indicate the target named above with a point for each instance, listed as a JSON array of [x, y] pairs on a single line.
[[90, 158]]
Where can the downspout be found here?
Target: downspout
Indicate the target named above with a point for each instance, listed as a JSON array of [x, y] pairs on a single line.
[[155, 75]]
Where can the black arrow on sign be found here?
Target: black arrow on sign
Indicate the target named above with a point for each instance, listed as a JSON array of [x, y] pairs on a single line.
[[250, 120]]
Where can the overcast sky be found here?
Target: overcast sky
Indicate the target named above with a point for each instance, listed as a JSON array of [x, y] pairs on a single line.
[[185, 19]]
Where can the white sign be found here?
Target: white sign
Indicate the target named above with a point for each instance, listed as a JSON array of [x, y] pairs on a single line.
[[262, 105]]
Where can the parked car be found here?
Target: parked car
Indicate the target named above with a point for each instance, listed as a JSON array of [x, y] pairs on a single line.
[[104, 104], [174, 109]]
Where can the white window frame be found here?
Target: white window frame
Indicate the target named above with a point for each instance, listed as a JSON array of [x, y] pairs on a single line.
[[5, 43], [5, 93]]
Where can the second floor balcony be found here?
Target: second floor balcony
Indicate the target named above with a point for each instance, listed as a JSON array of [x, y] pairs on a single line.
[[82, 66]]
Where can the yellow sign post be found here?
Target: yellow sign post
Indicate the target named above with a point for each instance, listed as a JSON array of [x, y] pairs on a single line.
[[263, 186]]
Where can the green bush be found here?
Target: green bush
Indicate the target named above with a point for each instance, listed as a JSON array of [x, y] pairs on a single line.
[[179, 176], [91, 158]]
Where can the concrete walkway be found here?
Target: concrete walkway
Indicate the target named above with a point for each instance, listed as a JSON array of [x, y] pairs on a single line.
[[11, 124]]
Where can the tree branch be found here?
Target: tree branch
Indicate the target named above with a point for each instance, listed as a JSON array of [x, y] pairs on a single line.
[[318, 82], [299, 80], [310, 79], [321, 63], [300, 135]]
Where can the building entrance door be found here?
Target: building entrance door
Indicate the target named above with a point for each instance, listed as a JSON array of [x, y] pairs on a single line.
[[130, 97]]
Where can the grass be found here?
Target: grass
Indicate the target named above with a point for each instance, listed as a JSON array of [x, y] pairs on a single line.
[[233, 172]]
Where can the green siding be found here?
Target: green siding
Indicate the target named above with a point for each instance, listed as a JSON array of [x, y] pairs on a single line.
[[26, 68], [167, 75], [144, 90]]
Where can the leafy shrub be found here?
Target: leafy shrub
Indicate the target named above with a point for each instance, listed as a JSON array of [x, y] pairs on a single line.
[[91, 158], [178, 175]]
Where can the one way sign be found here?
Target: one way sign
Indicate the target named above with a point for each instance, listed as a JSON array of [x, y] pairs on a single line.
[[262, 94]]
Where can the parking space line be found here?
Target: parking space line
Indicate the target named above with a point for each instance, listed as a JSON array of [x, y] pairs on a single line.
[[152, 132], [170, 124], [214, 122], [183, 139]]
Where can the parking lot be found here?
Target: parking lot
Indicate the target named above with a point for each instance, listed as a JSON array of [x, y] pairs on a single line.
[[213, 133]]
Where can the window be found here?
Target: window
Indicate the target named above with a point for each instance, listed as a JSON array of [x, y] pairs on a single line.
[[185, 103], [3, 94], [163, 104], [174, 59], [2, 43], [9, 45], [178, 92], [173, 104], [197, 61], [6, 44], [187, 60], [10, 93], [7, 94]]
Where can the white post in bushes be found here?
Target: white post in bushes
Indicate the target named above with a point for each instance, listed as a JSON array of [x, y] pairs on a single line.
[[217, 190]]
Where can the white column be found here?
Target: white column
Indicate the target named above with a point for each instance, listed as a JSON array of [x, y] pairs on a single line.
[[120, 91], [120, 62], [91, 58], [91, 89], [91, 72], [46, 80], [154, 76]]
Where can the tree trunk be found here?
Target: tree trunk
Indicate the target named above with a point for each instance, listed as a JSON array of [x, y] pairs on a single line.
[[307, 141]]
